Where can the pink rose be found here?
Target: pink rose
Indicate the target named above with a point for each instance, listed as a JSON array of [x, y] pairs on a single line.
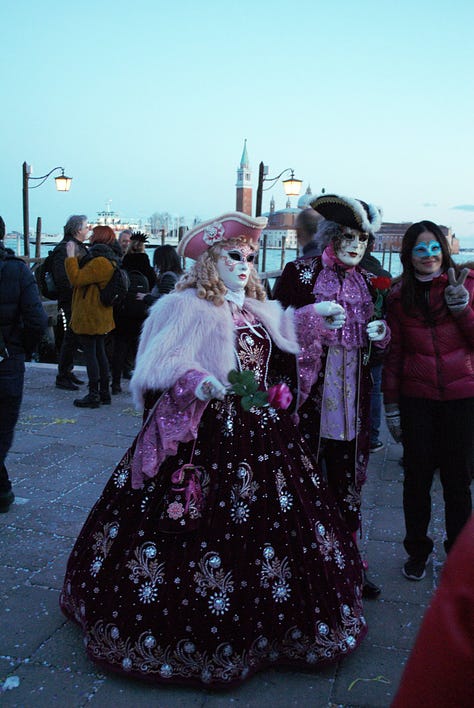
[[279, 396]]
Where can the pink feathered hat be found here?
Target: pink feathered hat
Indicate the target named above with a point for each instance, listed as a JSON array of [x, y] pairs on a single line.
[[234, 224]]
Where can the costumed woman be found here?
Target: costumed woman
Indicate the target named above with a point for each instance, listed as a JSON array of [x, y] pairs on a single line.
[[335, 417], [215, 549]]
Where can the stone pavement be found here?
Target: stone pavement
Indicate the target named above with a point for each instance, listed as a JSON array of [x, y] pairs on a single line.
[[61, 458]]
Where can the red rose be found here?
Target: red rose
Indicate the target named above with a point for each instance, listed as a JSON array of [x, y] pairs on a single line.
[[279, 396], [381, 282]]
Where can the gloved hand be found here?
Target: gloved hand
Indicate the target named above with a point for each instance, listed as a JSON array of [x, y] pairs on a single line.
[[376, 330], [333, 314], [455, 294], [209, 388], [392, 416]]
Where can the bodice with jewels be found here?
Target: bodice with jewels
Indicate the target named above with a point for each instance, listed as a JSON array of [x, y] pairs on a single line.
[[253, 348]]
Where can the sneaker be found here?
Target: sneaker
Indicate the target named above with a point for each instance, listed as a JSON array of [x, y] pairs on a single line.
[[67, 383], [414, 569], [75, 379], [116, 388], [105, 398], [376, 446], [6, 500]]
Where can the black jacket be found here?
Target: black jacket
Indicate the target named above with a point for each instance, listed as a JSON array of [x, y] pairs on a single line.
[[59, 272], [141, 262], [22, 317]]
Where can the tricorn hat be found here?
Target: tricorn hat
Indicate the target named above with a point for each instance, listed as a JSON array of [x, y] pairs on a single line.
[[345, 211], [234, 224]]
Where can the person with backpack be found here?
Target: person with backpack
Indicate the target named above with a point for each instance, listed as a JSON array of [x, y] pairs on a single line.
[[130, 315], [22, 323], [91, 319], [76, 231], [167, 265]]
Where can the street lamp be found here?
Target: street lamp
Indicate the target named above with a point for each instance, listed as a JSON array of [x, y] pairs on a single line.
[[292, 187], [63, 184]]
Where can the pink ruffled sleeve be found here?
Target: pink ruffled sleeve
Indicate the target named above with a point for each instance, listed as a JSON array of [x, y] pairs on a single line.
[[309, 332], [175, 418]]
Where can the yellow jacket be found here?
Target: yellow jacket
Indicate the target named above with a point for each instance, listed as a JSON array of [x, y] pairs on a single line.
[[89, 315]]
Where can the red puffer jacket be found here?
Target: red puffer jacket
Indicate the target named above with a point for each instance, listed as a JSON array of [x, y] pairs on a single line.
[[434, 361]]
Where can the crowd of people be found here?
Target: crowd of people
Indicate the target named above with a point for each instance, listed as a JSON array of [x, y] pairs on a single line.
[[245, 480]]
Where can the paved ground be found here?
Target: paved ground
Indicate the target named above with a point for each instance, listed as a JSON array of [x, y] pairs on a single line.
[[59, 463]]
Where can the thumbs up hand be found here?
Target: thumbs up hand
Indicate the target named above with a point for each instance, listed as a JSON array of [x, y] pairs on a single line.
[[455, 294]]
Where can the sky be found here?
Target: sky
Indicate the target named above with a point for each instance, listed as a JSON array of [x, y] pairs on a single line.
[[146, 105]]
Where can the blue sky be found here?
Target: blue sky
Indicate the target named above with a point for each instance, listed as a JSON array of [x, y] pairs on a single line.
[[147, 104]]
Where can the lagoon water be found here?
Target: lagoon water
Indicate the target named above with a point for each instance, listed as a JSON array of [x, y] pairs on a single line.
[[273, 259]]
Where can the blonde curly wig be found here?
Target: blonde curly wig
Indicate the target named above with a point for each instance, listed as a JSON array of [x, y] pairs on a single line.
[[203, 276]]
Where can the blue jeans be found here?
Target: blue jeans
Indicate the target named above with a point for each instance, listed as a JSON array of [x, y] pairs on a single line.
[[12, 374], [375, 403]]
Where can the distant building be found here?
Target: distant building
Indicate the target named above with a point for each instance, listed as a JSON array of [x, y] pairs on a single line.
[[281, 225], [243, 200], [391, 234]]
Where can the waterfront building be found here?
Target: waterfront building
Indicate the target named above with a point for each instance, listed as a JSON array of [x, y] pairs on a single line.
[[281, 226], [389, 238]]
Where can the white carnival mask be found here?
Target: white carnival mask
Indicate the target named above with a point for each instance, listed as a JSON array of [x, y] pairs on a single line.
[[352, 248], [233, 266]]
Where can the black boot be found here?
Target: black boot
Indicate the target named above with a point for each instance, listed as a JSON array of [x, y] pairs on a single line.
[[105, 393], [92, 400], [370, 591], [116, 387], [6, 495]]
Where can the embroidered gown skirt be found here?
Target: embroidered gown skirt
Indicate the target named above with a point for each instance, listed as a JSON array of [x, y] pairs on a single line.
[[206, 589]]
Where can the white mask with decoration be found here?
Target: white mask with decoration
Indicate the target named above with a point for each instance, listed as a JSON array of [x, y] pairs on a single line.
[[233, 266], [352, 247]]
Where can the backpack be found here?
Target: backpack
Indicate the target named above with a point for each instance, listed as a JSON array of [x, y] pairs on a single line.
[[138, 282], [130, 308], [115, 292], [44, 278]]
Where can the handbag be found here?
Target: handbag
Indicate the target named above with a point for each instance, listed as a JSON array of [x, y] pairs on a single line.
[[183, 505]]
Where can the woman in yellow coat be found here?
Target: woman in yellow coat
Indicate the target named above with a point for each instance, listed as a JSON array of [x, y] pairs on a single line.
[[91, 320]]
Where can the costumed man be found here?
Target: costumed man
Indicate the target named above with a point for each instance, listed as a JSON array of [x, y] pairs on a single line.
[[215, 549], [335, 410]]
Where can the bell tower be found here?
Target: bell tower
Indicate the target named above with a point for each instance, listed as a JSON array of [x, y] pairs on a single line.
[[243, 201]]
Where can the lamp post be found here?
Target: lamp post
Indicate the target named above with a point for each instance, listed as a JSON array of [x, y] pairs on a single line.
[[63, 184], [292, 187]]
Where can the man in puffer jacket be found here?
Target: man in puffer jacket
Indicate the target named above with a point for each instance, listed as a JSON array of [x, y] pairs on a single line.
[[22, 323]]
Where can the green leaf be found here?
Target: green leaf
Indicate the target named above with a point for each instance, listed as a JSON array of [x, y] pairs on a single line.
[[260, 398], [246, 402], [239, 390], [247, 378], [233, 376]]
